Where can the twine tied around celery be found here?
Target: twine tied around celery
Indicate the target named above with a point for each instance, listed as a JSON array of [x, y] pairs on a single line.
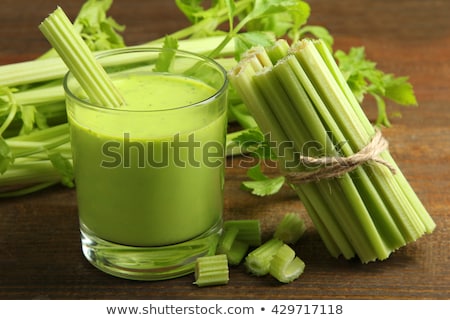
[[331, 167]]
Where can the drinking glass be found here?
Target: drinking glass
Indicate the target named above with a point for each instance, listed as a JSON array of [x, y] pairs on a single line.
[[149, 175]]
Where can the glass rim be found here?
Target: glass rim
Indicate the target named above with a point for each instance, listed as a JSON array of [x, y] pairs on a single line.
[[90, 105]]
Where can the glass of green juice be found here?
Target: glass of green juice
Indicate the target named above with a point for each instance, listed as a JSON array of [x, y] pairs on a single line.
[[150, 175]]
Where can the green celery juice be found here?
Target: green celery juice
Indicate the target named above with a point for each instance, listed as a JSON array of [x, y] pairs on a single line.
[[150, 174]]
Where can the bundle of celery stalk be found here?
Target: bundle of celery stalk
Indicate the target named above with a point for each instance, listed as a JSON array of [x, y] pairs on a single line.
[[362, 205]]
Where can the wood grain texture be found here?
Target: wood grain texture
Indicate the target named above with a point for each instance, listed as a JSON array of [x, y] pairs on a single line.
[[40, 256]]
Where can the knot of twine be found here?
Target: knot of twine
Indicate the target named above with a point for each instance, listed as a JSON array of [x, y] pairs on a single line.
[[330, 167]]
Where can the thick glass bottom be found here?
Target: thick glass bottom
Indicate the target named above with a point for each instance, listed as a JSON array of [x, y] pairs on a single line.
[[148, 263]]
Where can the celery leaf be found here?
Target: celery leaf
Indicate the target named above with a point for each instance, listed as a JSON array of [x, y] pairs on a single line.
[[255, 143], [363, 78], [190, 8], [318, 32], [261, 185], [98, 30], [246, 40], [282, 17]]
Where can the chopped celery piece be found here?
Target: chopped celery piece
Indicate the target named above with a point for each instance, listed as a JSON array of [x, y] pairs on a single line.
[[290, 228], [249, 230], [285, 266], [258, 261], [278, 51], [211, 270], [237, 252], [234, 249], [226, 240]]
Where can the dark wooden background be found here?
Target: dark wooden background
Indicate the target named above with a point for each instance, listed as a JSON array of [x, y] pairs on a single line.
[[40, 255]]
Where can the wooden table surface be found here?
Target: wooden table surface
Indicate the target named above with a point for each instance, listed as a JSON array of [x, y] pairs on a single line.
[[40, 253]]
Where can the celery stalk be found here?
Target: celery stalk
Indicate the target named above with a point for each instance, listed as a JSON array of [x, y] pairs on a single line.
[[60, 32], [36, 71]]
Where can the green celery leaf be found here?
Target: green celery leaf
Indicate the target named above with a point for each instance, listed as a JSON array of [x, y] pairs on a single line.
[[264, 8], [261, 185], [318, 32], [355, 69], [98, 30], [256, 144], [363, 78], [247, 40], [190, 8], [399, 90], [280, 16]]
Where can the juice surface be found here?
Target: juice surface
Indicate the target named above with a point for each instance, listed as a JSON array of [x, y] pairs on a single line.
[[150, 189]]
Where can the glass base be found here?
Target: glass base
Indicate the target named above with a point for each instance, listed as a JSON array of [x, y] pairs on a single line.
[[148, 263]]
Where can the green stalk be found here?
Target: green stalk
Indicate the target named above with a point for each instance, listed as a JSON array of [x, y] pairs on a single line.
[[60, 32], [36, 71], [332, 243], [28, 175], [33, 168], [39, 141], [38, 96]]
